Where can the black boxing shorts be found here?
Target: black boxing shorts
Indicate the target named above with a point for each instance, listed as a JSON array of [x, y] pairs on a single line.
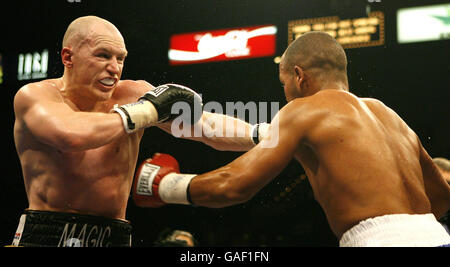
[[58, 229]]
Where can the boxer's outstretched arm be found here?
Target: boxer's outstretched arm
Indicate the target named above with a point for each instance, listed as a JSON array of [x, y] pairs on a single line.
[[51, 121], [240, 180], [218, 131], [158, 181], [226, 133]]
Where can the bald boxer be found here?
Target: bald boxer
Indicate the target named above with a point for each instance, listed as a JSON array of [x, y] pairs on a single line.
[[77, 138], [368, 170]]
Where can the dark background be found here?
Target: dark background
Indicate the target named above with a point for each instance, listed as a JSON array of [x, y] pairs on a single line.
[[413, 79]]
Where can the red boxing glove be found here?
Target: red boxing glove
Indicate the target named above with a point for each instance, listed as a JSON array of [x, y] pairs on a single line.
[[158, 182], [148, 177]]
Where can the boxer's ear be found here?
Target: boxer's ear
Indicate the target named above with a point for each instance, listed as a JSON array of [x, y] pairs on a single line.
[[299, 76], [66, 57]]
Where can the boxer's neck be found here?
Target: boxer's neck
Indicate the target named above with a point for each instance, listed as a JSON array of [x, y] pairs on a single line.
[[79, 102], [316, 86], [333, 85]]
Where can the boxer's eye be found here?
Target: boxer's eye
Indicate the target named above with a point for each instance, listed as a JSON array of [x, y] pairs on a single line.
[[103, 55]]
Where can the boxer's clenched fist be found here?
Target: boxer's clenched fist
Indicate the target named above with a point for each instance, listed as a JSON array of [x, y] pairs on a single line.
[[155, 107]]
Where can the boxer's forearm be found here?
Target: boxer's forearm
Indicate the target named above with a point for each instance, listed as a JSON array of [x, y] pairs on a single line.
[[230, 185], [77, 131], [217, 189], [92, 130], [218, 131], [226, 133]]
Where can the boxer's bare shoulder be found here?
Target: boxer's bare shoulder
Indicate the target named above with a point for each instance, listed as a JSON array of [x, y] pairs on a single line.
[[132, 89], [321, 112], [28, 94]]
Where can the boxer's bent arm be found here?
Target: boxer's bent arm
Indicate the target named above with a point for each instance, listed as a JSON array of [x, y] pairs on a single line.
[[218, 131], [52, 122], [240, 180], [437, 189]]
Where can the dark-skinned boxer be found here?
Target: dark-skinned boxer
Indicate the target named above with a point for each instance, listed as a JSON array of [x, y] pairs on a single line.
[[368, 170]]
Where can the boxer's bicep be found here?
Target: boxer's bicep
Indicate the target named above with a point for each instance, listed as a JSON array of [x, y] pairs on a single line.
[[39, 112]]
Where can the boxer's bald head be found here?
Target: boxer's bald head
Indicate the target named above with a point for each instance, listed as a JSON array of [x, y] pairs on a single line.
[[316, 51], [318, 56], [84, 28], [93, 55]]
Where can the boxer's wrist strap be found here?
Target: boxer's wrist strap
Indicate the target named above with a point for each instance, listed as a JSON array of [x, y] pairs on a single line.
[[259, 132], [188, 193], [126, 119], [254, 134], [174, 188], [136, 116]]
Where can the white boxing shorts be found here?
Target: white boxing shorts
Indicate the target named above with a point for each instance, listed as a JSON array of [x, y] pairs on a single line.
[[397, 230]]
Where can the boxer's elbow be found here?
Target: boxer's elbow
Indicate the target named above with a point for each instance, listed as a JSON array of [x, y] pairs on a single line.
[[236, 197], [54, 133], [234, 190], [221, 188], [69, 141], [75, 139], [224, 199]]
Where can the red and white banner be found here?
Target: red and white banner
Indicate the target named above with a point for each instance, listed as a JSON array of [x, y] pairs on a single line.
[[220, 45]]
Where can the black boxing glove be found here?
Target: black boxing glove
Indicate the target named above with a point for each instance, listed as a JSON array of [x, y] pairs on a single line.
[[164, 96], [155, 106]]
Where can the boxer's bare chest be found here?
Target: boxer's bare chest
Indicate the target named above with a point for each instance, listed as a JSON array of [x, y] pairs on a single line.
[[108, 160]]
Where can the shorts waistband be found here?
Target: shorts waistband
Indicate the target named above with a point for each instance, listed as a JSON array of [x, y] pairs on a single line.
[[399, 230], [60, 229]]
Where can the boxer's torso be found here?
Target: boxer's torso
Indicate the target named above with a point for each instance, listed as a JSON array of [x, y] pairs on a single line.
[[362, 161], [95, 181]]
